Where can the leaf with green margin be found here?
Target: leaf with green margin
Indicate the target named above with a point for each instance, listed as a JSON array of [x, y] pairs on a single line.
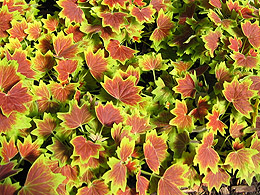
[[40, 179], [255, 144], [215, 3], [75, 30], [42, 63], [34, 30], [126, 149], [216, 180], [236, 128], [62, 92], [114, 3], [7, 122], [85, 149], [115, 20], [155, 150], [139, 124], [65, 68], [7, 170], [152, 61], [211, 40], [206, 157], [252, 32], [235, 44], [186, 86], [71, 11], [9, 188], [51, 23], [142, 184], [8, 149], [245, 61], [215, 123], [17, 30], [182, 120], [172, 180], [162, 92], [30, 150], [201, 111], [5, 23], [256, 83], [130, 71], [178, 142], [239, 94], [144, 14], [118, 132], [97, 187], [124, 90], [117, 175]]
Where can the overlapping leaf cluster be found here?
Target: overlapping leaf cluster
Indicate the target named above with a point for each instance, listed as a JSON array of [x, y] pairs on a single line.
[[128, 97]]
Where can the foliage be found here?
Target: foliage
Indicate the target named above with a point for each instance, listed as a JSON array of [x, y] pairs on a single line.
[[128, 97]]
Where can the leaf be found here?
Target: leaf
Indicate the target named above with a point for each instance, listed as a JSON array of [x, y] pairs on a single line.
[[178, 142], [186, 86], [8, 75], [120, 52], [76, 117], [97, 187], [34, 30], [142, 184], [43, 63], [62, 92], [236, 129], [45, 43], [6, 123], [172, 180], [162, 92], [252, 32], [64, 46], [180, 67], [248, 61], [15, 99], [222, 74], [206, 157], [5, 22], [164, 26], [115, 3], [118, 132], [71, 11], [97, 63], [241, 160], [124, 90], [29, 150], [202, 108], [235, 44], [66, 67], [9, 188], [17, 30], [130, 71], [51, 23], [126, 149], [216, 180], [215, 123], [75, 30], [114, 20], [144, 14], [151, 61], [215, 3], [211, 40], [117, 175], [139, 124], [239, 94], [8, 170], [85, 149], [8, 149], [40, 179], [24, 64], [256, 83], [182, 120], [108, 114], [158, 5], [155, 150]]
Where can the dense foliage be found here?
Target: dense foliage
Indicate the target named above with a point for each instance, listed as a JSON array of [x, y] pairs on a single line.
[[128, 97]]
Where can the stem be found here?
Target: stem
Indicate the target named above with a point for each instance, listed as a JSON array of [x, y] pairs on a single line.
[[151, 174], [154, 78], [56, 137], [146, 43], [49, 75], [225, 110], [84, 7], [83, 131], [100, 133], [224, 142]]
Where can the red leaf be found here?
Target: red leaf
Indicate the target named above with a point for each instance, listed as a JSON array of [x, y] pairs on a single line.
[[164, 26], [124, 90], [144, 14], [172, 179], [8, 76], [43, 63], [182, 120], [51, 23], [62, 92], [181, 67], [239, 94], [138, 124], [24, 64], [202, 108], [34, 31], [216, 180], [214, 17], [118, 133], [7, 170], [66, 67], [6, 123], [139, 3], [214, 122], [235, 44], [158, 5], [151, 62], [233, 6], [222, 73], [15, 99], [17, 30], [245, 61], [29, 150], [97, 187], [64, 47], [252, 32], [40, 177], [71, 11], [256, 158], [155, 150], [14, 5], [7, 188], [8, 150], [45, 43], [115, 3], [119, 52], [108, 114], [186, 86], [117, 175], [126, 149], [236, 129], [142, 184], [76, 117], [256, 83], [114, 20], [85, 149], [77, 34], [211, 41], [215, 3], [97, 63], [5, 22], [206, 157], [131, 71]]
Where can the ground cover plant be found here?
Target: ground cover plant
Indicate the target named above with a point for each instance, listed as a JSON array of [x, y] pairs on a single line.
[[128, 97]]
